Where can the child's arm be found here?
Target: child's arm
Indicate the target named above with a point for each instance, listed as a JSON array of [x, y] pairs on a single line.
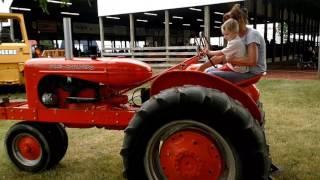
[[212, 61]]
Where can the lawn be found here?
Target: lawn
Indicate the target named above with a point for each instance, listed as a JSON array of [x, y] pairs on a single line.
[[292, 128]]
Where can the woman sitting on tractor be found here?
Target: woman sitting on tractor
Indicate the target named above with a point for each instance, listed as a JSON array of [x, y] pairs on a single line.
[[256, 51]]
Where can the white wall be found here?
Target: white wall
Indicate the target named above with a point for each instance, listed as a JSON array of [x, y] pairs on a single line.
[[106, 8], [4, 6]]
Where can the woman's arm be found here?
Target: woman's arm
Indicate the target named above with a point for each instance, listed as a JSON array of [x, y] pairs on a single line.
[[250, 60]]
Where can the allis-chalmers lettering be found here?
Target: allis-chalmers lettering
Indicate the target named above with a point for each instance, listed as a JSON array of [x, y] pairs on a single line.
[[71, 67]]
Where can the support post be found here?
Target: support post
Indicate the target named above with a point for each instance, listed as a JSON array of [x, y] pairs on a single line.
[[167, 32], [311, 30], [308, 30], [289, 44], [67, 38], [314, 31], [319, 52], [318, 33], [266, 17], [273, 32], [132, 37], [294, 34], [299, 36], [101, 34], [255, 14], [207, 23], [281, 33], [304, 33]]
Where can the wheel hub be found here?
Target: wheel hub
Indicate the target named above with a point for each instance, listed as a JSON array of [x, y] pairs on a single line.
[[187, 164], [29, 147], [190, 154]]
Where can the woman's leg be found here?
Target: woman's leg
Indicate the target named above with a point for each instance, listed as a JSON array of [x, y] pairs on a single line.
[[231, 75]]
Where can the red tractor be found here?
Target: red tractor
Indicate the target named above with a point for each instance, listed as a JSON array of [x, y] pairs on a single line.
[[190, 125]]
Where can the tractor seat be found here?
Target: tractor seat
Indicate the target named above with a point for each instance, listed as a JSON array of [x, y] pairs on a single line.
[[250, 81]]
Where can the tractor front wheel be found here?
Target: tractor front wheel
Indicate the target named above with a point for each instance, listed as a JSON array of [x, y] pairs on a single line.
[[28, 147], [58, 140], [34, 147]]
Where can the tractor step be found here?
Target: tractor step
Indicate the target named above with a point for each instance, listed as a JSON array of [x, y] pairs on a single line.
[[275, 171], [4, 101], [81, 100]]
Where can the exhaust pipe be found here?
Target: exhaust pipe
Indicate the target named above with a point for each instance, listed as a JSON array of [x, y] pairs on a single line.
[[68, 48]]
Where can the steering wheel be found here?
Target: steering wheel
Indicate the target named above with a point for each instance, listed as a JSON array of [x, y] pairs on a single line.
[[202, 45]]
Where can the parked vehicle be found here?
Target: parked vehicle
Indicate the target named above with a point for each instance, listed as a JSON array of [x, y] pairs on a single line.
[[14, 48]]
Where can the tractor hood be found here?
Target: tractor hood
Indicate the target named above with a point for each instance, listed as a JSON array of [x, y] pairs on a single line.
[[115, 72]]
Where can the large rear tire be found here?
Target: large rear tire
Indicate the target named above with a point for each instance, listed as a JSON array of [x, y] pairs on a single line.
[[188, 149], [194, 133]]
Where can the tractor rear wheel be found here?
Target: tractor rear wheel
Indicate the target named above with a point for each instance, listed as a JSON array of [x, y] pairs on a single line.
[[189, 149], [194, 133]]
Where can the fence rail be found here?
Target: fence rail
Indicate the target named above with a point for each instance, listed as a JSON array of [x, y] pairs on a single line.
[[157, 57]]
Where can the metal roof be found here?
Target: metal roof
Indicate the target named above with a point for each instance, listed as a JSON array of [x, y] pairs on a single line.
[[309, 8], [88, 14]]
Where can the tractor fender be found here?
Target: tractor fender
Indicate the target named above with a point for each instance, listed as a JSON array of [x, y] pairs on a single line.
[[182, 78]]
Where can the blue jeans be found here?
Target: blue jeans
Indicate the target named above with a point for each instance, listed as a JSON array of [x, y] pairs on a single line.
[[230, 75]]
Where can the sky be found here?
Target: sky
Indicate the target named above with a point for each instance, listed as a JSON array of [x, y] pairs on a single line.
[[4, 6]]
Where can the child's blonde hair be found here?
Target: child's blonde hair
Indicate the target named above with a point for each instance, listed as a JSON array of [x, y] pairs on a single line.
[[230, 25]]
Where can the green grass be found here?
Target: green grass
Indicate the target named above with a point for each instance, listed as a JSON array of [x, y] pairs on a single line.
[[92, 154], [293, 130], [293, 126]]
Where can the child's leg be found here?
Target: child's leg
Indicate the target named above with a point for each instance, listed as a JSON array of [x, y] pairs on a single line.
[[210, 69]]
